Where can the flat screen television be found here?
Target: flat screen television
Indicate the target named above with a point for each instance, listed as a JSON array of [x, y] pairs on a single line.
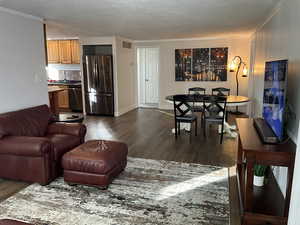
[[275, 96]]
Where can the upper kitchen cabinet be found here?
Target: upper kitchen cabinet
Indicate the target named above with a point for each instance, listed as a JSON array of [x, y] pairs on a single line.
[[63, 51], [53, 51], [75, 51]]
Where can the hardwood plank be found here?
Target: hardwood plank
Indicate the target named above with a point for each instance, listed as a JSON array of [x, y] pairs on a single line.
[[9, 188], [148, 135]]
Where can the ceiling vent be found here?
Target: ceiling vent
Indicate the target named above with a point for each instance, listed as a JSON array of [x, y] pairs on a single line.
[[127, 44]]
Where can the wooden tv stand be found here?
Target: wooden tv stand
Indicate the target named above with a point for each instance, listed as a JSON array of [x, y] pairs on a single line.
[[262, 205]]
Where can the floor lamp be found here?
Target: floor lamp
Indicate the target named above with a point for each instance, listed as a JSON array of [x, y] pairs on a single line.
[[235, 66]]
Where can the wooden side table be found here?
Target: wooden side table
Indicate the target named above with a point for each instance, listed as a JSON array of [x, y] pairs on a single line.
[[262, 205]]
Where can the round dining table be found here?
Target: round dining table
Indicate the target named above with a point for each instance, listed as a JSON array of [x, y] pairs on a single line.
[[232, 100]]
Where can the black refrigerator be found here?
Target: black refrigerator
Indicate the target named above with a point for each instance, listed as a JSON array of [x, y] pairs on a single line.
[[98, 84]]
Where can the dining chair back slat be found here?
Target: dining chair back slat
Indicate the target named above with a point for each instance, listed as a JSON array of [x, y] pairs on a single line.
[[196, 90], [214, 111], [182, 105], [221, 91], [183, 113]]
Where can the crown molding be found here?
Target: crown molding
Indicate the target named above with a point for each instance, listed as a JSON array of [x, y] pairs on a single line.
[[274, 11], [123, 38], [17, 13], [195, 39], [63, 38]]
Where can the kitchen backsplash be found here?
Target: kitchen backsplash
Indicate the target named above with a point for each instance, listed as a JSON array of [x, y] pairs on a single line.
[[64, 71], [63, 74], [64, 66], [69, 75]]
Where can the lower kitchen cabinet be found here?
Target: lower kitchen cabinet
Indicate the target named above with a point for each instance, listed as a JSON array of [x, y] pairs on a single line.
[[69, 98], [63, 98]]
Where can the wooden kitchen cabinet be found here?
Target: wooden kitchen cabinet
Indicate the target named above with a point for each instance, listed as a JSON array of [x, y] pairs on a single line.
[[75, 52], [53, 51], [63, 98], [65, 51]]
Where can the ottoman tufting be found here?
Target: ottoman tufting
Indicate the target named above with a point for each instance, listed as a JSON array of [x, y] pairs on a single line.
[[95, 163]]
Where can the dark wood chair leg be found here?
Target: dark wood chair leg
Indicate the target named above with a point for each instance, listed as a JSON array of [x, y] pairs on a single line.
[[204, 127], [196, 127], [179, 128], [175, 129], [222, 132], [191, 132]]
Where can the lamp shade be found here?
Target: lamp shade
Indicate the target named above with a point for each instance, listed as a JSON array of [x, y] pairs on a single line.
[[245, 71], [232, 66]]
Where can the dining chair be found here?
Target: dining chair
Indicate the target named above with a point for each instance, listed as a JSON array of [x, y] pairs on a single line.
[[197, 91], [220, 91], [183, 113], [214, 112]]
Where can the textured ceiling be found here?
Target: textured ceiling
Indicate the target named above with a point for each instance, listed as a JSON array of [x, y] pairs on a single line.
[[146, 19]]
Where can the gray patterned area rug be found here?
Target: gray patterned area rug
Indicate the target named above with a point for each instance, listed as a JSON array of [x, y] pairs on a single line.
[[148, 192]]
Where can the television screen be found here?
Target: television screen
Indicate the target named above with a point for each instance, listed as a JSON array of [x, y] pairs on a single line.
[[274, 96]]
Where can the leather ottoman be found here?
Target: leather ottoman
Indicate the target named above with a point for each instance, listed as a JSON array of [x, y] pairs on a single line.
[[12, 222], [95, 163]]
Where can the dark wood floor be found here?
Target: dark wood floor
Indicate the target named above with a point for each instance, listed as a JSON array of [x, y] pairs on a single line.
[[148, 135]]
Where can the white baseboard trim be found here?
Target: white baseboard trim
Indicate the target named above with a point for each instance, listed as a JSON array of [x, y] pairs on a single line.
[[166, 107], [125, 110]]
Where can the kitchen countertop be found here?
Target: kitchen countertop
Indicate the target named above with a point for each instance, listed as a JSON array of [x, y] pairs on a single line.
[[64, 83], [54, 89]]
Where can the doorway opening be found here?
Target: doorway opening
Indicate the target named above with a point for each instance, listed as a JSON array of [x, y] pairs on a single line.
[[148, 75]]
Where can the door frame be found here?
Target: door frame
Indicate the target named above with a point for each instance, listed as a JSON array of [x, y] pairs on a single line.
[[140, 103]]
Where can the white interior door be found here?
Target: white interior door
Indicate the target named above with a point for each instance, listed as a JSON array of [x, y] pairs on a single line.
[[148, 68]]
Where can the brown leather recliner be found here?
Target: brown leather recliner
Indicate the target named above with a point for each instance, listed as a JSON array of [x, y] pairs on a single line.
[[31, 146]]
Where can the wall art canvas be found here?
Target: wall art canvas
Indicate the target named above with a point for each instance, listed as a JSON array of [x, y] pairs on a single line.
[[183, 64], [218, 64], [201, 64]]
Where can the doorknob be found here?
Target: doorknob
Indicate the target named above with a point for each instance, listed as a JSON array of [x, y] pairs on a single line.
[[147, 80]]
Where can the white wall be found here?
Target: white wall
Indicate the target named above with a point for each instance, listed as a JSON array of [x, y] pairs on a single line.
[[127, 79], [278, 38], [23, 80], [125, 87], [167, 83]]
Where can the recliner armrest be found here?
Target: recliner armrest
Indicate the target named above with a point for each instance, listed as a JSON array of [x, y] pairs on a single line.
[[25, 146], [75, 129]]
